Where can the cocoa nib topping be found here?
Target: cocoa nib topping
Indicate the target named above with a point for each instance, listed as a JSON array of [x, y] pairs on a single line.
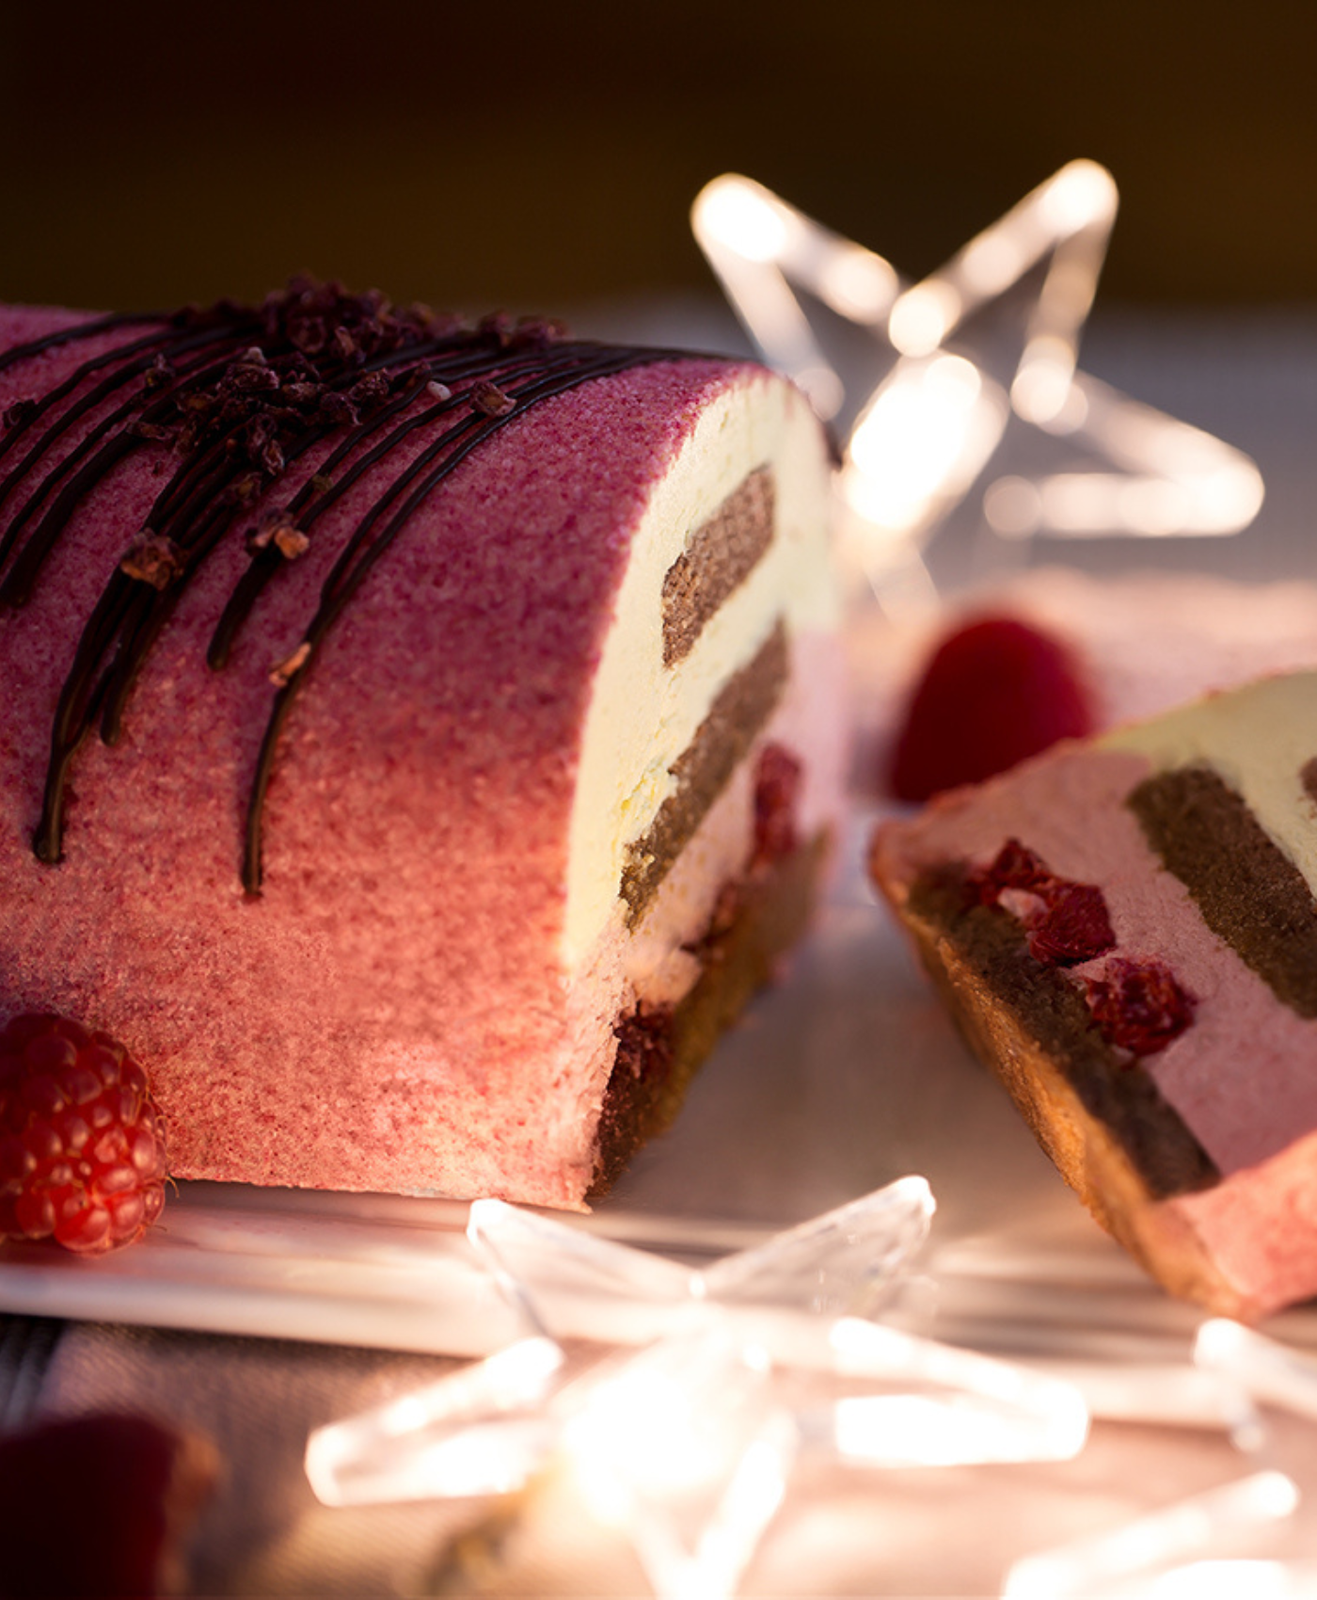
[[158, 374], [20, 412], [261, 401], [533, 333], [492, 400], [154, 559], [521, 333], [323, 319], [283, 672], [434, 324], [1138, 1005], [153, 432], [278, 528]]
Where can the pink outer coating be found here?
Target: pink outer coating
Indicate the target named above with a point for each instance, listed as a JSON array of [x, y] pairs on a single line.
[[390, 1013], [1243, 1077]]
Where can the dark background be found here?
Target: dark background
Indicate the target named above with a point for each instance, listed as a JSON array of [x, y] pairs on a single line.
[[540, 156]]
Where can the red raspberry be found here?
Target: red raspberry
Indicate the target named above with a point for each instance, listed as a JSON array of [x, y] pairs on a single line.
[[99, 1505], [1015, 866], [779, 778], [1139, 1005], [995, 691], [82, 1148], [1074, 927], [1066, 921]]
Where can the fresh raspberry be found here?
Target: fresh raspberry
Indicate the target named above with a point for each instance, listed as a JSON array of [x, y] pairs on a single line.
[[994, 691], [82, 1149], [1138, 1005], [99, 1505], [1015, 866], [779, 777], [1066, 921], [1074, 927]]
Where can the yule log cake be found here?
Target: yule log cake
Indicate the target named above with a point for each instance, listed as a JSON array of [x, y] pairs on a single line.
[[1127, 931], [418, 740]]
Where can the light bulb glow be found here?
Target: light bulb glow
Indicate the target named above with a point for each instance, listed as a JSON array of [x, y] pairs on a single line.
[[925, 434], [923, 317], [1267, 1369], [857, 283], [741, 216], [1227, 1580], [1181, 1531], [1081, 195], [957, 1430], [445, 1439]]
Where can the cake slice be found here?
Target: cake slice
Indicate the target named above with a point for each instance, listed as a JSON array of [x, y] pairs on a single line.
[[419, 740], [1126, 931]]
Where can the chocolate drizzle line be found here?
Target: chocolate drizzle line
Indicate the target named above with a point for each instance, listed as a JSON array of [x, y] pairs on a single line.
[[232, 397]]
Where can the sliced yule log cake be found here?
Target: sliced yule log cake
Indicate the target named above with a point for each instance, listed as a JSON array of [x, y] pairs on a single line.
[[1127, 932], [418, 739]]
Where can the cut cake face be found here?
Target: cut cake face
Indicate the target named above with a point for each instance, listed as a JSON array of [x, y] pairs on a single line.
[[1126, 929], [419, 740]]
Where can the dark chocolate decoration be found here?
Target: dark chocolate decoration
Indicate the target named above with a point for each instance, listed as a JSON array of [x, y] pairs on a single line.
[[718, 558], [742, 707], [228, 399], [1249, 892], [1308, 778], [1114, 1088]]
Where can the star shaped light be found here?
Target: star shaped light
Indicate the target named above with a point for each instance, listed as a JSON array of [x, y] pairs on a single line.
[[920, 380], [680, 1397], [679, 1400]]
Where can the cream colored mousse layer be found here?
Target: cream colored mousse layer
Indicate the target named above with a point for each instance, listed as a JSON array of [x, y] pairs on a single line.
[[644, 714], [1243, 1076]]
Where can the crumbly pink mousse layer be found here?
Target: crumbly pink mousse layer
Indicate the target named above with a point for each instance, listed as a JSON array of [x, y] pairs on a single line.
[[1243, 1077], [390, 1013]]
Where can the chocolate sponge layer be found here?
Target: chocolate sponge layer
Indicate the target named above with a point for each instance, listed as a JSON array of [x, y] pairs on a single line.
[[1250, 894], [722, 553], [741, 709]]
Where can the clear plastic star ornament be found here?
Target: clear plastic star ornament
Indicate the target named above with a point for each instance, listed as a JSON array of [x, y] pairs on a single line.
[[920, 381], [678, 1398]]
